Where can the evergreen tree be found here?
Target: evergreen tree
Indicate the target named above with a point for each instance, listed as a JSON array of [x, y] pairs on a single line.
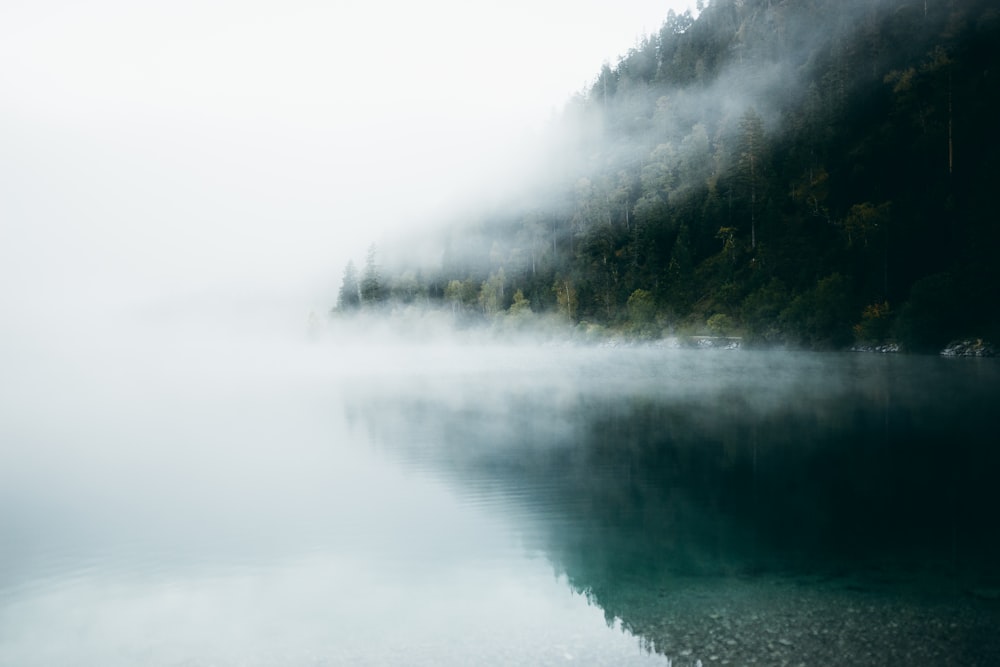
[[750, 167], [372, 292], [349, 297], [667, 192]]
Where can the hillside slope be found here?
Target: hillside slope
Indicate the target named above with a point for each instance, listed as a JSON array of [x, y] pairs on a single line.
[[810, 173]]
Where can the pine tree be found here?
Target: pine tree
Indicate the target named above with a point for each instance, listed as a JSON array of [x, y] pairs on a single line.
[[371, 285], [749, 176], [349, 297]]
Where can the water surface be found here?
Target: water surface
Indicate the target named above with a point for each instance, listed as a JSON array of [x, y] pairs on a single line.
[[336, 503]]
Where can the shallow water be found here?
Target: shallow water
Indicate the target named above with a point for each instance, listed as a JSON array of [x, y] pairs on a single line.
[[245, 502]]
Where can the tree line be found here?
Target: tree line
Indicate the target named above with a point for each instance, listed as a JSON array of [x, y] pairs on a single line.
[[815, 173]]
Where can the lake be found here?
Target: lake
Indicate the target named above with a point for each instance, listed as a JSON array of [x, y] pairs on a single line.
[[251, 502]]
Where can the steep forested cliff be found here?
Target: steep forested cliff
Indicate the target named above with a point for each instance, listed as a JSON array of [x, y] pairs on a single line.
[[810, 172]]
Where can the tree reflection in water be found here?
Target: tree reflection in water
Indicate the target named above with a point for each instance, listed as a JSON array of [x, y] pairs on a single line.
[[823, 509]]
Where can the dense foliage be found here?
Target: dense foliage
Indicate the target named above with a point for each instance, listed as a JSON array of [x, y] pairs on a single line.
[[809, 172]]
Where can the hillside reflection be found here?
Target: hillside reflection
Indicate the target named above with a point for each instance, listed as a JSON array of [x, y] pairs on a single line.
[[837, 484]]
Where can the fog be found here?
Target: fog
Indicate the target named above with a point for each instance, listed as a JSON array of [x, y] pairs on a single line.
[[183, 489], [180, 186], [243, 152], [198, 467], [674, 139], [222, 156]]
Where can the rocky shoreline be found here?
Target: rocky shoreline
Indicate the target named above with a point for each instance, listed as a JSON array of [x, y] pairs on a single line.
[[959, 348], [885, 348], [680, 342], [969, 348]]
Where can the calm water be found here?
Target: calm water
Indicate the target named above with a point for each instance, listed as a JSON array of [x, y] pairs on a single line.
[[244, 504]]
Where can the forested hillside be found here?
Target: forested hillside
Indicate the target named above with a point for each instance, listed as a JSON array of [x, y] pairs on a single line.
[[803, 172]]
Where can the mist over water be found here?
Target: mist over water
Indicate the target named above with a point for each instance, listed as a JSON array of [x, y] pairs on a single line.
[[764, 507], [192, 495], [195, 469], [196, 493]]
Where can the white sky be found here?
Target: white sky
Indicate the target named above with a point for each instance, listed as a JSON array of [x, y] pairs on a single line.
[[246, 148]]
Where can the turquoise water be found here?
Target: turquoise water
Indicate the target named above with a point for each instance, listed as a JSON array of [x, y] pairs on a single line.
[[457, 504]]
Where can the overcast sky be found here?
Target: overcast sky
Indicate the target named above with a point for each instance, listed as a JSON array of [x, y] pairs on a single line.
[[155, 152]]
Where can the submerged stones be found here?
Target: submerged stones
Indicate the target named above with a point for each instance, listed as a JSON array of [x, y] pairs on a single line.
[[775, 620]]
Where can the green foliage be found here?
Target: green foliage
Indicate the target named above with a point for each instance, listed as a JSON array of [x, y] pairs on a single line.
[[720, 324], [821, 317], [750, 169], [372, 291], [349, 297], [567, 298], [728, 237], [462, 295], [491, 294], [680, 274], [761, 310], [641, 307], [520, 306], [772, 209], [407, 288], [928, 319], [642, 314], [875, 325], [863, 221]]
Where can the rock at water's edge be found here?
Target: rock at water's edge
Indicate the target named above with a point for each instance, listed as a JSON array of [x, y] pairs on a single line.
[[969, 348]]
